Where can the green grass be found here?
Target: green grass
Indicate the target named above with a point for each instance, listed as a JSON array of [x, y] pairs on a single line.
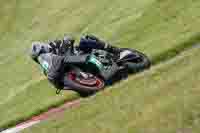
[[162, 100], [161, 29]]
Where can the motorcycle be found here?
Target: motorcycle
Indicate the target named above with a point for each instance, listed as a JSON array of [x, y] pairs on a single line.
[[102, 69]]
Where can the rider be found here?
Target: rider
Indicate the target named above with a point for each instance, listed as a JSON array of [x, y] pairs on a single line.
[[52, 56]]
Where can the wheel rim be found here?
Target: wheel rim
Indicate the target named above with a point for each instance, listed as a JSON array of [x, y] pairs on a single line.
[[89, 82]]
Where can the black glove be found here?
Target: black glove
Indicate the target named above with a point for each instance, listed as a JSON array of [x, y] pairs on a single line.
[[53, 47]]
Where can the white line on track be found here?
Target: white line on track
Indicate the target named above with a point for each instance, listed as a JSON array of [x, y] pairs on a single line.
[[21, 127]]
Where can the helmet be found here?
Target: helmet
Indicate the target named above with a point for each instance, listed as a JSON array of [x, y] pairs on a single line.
[[68, 40], [38, 48]]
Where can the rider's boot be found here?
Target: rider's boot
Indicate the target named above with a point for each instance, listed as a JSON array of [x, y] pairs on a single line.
[[92, 37], [105, 45]]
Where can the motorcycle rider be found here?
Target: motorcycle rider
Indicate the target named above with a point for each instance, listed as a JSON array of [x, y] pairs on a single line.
[[53, 56]]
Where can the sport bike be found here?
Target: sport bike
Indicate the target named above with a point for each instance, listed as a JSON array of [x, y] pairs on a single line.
[[102, 68]]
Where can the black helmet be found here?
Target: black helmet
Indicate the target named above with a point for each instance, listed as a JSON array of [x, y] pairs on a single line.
[[38, 48]]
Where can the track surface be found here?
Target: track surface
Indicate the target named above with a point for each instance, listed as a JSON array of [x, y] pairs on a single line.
[[44, 116]]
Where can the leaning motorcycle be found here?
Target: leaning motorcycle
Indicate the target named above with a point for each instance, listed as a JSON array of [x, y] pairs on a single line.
[[103, 68]]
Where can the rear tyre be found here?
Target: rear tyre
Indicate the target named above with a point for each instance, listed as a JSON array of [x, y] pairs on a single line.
[[84, 85]]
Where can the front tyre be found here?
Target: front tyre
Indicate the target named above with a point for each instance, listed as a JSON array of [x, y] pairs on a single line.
[[138, 63]]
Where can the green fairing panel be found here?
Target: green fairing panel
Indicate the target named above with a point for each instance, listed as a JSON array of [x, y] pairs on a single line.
[[96, 62], [45, 67]]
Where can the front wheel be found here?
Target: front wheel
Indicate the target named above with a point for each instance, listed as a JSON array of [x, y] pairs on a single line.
[[136, 61], [83, 82]]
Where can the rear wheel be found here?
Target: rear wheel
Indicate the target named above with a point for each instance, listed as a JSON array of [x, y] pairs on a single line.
[[83, 82]]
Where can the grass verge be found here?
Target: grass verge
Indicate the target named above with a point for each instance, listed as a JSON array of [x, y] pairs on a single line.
[[160, 29]]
